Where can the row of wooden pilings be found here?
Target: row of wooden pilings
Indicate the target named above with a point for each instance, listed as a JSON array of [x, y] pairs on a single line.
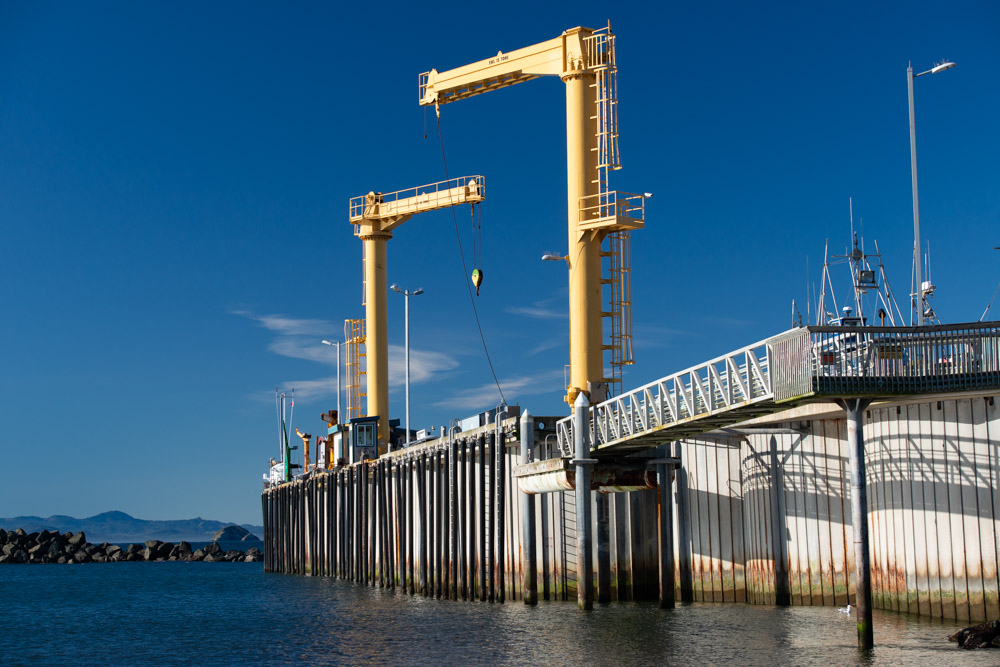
[[428, 523], [442, 520]]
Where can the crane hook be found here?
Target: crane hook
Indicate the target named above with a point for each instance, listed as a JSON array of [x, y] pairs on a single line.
[[477, 279]]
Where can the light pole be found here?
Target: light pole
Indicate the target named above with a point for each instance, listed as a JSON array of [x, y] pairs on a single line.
[[336, 343], [910, 76], [407, 294]]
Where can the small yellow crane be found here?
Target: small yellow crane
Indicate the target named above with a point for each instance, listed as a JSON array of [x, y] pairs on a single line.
[[375, 216]]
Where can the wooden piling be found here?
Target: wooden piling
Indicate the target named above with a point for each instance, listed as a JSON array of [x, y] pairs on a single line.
[[584, 537], [501, 514], [603, 548], [530, 581]]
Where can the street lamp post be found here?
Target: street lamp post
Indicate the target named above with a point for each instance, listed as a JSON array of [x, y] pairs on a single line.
[[337, 343], [407, 294], [910, 76]]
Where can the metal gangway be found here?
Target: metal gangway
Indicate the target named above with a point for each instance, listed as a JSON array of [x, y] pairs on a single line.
[[802, 365]]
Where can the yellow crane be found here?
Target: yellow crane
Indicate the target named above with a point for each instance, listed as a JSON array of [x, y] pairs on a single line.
[[375, 216], [585, 61]]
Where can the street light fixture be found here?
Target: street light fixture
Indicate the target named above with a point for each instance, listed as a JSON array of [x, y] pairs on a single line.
[[910, 76], [338, 344], [407, 294], [549, 257]]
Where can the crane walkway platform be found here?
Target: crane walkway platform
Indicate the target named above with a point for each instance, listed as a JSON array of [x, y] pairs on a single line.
[[802, 365]]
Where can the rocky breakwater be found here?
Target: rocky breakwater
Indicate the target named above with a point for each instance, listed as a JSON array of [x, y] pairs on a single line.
[[53, 547]]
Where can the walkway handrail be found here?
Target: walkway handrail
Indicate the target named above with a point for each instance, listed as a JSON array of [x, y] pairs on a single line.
[[739, 378], [802, 364]]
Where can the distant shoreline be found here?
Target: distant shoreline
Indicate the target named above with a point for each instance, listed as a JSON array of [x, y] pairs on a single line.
[[116, 527]]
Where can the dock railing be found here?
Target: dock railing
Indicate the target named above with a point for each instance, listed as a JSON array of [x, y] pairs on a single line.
[[805, 364]]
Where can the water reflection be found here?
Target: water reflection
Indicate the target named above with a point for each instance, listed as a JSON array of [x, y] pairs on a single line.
[[178, 613]]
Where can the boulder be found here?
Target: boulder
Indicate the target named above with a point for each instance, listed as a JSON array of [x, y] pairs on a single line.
[[3, 536], [183, 550], [198, 555], [54, 551], [213, 549], [231, 534], [78, 539]]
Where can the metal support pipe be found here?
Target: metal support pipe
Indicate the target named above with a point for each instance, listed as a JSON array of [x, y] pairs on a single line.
[[917, 259], [779, 547], [666, 537], [584, 537], [855, 408], [422, 494], [529, 584], [683, 530]]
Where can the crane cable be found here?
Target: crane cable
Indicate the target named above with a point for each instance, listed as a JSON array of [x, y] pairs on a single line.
[[465, 270]]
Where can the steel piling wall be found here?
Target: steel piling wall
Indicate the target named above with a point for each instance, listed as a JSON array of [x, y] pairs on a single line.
[[762, 515], [445, 521]]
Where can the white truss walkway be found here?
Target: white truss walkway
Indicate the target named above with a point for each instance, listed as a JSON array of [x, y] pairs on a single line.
[[806, 364]]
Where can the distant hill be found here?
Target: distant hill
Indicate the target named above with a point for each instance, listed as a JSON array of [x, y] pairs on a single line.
[[119, 527]]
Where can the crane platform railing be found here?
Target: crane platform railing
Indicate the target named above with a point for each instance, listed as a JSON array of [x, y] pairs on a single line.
[[612, 210], [405, 203], [806, 364]]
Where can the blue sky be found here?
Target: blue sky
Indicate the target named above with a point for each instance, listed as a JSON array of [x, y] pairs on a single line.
[[174, 181]]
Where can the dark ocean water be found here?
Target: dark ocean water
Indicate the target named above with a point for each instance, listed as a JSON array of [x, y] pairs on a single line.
[[233, 613]]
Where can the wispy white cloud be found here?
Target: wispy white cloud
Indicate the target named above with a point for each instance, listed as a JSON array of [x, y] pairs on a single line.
[[424, 365], [554, 307], [300, 339], [290, 326], [485, 396], [538, 312], [547, 345], [652, 336]]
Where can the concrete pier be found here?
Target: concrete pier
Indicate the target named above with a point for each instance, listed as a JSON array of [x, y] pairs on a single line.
[[762, 513]]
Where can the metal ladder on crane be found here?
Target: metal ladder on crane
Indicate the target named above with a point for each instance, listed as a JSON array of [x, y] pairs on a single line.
[[601, 56], [354, 334]]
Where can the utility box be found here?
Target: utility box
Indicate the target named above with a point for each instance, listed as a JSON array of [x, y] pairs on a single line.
[[364, 439]]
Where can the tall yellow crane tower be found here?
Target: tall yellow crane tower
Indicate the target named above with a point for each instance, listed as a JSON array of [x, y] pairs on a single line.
[[585, 60], [375, 216]]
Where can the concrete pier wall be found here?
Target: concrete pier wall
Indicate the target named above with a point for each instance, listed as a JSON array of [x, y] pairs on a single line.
[[762, 516], [769, 509]]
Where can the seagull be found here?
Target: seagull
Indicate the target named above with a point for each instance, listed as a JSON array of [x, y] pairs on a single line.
[[845, 610]]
